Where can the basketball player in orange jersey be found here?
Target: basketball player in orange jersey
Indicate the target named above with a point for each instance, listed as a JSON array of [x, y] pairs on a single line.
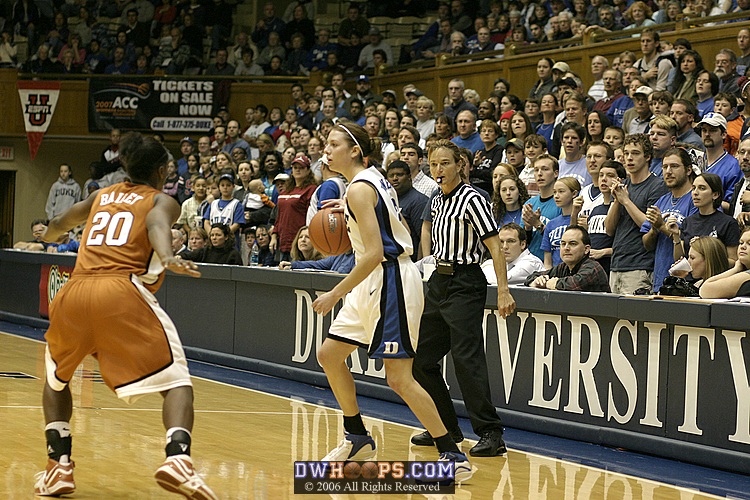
[[107, 310]]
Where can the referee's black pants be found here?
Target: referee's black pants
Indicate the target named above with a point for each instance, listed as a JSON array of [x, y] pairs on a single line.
[[452, 322]]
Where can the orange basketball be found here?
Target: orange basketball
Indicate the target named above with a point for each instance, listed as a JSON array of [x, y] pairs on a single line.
[[328, 232], [352, 470], [369, 470]]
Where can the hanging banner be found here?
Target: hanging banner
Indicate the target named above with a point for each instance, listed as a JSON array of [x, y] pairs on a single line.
[[158, 105], [38, 103]]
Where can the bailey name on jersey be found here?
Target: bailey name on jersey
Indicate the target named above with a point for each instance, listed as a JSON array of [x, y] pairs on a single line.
[[128, 198]]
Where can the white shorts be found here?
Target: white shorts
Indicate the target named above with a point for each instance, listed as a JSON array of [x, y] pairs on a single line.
[[384, 311]]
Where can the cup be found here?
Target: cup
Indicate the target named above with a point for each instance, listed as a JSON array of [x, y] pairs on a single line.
[[681, 266]]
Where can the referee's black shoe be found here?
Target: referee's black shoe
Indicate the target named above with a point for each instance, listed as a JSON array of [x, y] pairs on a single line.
[[490, 444], [425, 439]]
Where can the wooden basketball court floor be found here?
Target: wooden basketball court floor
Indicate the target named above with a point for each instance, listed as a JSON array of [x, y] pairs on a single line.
[[245, 442]]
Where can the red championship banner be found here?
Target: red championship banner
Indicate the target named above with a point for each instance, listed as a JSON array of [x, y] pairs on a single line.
[[38, 102], [52, 279]]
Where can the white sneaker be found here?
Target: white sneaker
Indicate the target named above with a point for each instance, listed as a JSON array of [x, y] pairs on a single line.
[[354, 447], [55, 480], [462, 470], [177, 475]]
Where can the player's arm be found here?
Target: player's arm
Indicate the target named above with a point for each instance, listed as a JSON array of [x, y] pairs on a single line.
[[159, 224], [361, 199], [72, 217], [505, 302], [426, 241]]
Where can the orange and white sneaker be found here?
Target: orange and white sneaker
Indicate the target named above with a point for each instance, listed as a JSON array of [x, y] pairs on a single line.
[[177, 475], [55, 480]]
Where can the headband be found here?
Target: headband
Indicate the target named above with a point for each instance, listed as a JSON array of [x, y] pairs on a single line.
[[361, 151]]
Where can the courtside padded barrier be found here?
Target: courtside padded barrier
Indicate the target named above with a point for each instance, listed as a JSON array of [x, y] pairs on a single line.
[[665, 377]]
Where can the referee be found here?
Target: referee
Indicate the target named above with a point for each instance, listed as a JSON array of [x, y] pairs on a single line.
[[462, 226]]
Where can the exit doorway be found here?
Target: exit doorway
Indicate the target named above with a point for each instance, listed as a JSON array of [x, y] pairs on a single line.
[[7, 204]]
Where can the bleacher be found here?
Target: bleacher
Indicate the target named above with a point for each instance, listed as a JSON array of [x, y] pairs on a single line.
[[515, 62]]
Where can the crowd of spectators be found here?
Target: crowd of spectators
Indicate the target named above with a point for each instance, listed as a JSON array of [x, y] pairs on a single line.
[[170, 36], [189, 36], [651, 158]]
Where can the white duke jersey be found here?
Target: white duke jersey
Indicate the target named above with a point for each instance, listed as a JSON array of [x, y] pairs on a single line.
[[396, 238]]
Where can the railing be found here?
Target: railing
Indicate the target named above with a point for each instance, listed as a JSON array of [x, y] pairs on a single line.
[[162, 74], [590, 36]]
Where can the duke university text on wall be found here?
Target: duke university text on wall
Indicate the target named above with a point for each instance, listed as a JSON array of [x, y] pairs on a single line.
[[651, 377]]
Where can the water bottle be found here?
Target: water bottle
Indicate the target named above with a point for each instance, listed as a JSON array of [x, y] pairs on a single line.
[[254, 252]]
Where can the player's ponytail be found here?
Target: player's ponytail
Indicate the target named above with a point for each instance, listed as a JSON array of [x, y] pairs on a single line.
[[376, 152]]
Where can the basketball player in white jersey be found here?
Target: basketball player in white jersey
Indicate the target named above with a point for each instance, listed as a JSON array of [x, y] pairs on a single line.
[[383, 301]]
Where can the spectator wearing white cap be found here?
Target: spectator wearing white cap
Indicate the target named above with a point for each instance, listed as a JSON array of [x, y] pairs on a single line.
[[559, 69], [389, 97], [640, 124], [713, 128]]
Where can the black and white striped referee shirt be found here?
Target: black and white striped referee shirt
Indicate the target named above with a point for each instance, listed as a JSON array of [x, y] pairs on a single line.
[[460, 221]]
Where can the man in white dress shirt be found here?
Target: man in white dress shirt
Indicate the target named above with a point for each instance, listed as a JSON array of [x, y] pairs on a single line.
[[520, 261]]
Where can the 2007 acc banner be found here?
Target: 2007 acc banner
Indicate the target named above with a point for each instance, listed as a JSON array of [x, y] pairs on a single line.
[[151, 104]]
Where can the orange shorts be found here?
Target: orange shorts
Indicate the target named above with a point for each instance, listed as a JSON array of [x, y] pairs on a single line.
[[119, 322]]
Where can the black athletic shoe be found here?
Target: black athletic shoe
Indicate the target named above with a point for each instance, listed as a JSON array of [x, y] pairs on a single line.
[[490, 444], [424, 438]]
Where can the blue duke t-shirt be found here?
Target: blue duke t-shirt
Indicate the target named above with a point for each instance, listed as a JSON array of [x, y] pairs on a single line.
[[679, 208]]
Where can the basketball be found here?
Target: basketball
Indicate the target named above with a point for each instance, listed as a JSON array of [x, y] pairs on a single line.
[[352, 470], [369, 470], [328, 234]]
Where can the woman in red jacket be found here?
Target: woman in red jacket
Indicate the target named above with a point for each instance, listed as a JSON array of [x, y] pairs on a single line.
[[292, 206]]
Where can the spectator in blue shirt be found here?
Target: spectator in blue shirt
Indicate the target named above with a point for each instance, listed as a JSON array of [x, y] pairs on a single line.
[[341, 264], [317, 58], [118, 66], [468, 137], [665, 217], [565, 191], [541, 209], [266, 25]]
